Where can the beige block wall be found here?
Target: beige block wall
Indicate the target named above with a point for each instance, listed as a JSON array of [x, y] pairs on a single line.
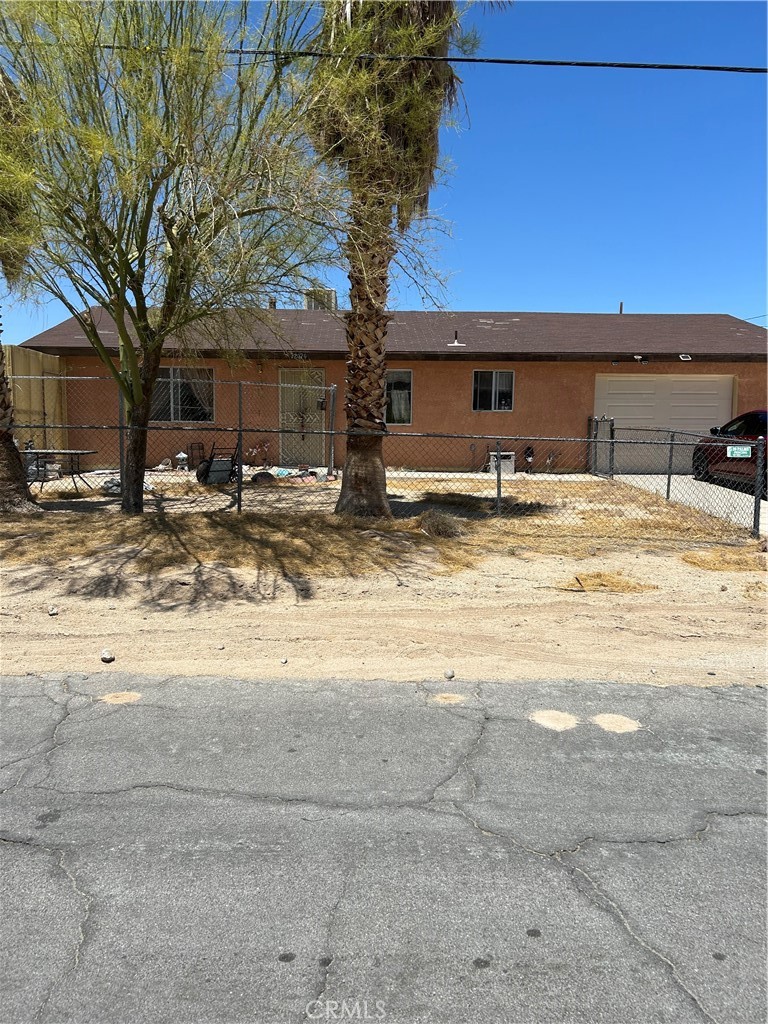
[[39, 396]]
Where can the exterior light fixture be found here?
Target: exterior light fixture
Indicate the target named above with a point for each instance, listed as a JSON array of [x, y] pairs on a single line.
[[685, 357], [638, 358]]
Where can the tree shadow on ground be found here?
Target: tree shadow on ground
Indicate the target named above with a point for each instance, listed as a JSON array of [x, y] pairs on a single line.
[[198, 560], [468, 506]]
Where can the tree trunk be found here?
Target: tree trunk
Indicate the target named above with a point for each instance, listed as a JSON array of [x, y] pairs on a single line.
[[364, 481], [14, 494], [136, 445]]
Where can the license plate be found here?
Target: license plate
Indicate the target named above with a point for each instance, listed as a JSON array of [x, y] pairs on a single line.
[[739, 451]]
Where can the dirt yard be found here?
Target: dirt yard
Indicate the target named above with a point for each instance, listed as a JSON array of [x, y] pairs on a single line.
[[315, 596]]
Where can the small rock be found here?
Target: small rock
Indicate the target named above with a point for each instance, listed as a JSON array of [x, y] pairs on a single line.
[[723, 587], [111, 607], [653, 671], [449, 673], [283, 661], [107, 656], [220, 647], [52, 609], [711, 673]]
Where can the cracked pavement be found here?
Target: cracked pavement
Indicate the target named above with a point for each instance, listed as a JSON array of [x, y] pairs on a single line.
[[270, 852]]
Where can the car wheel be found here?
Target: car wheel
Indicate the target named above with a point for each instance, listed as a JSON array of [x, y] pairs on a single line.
[[700, 467]]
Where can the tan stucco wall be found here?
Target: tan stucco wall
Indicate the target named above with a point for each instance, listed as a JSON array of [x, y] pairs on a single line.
[[552, 399]]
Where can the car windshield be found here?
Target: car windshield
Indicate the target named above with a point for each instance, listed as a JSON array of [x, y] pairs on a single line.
[[736, 428]]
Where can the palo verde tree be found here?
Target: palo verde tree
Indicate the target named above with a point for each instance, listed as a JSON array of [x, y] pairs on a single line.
[[378, 119], [14, 208], [171, 183]]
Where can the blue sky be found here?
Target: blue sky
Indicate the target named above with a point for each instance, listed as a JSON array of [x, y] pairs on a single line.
[[575, 189]]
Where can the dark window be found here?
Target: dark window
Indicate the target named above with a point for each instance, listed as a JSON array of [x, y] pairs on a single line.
[[183, 396], [399, 396], [493, 391]]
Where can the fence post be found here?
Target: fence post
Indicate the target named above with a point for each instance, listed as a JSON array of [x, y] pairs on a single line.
[[498, 478], [669, 462], [612, 447], [759, 477], [332, 437], [121, 436], [239, 446], [590, 446]]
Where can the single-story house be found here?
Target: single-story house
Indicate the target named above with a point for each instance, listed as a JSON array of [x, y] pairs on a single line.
[[480, 373]]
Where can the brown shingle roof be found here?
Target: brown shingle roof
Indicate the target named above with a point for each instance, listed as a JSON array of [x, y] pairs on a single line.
[[490, 335]]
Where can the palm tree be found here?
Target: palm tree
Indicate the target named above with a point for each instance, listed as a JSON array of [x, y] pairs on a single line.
[[14, 496], [378, 120]]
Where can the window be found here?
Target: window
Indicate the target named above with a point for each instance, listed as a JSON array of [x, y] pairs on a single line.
[[493, 390], [183, 395], [398, 396]]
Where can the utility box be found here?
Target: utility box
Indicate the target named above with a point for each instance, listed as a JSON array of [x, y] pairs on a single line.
[[506, 462]]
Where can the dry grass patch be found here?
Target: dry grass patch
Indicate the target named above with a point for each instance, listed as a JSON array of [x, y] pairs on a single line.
[[547, 508], [437, 524], [719, 559], [312, 544], [444, 531], [605, 582]]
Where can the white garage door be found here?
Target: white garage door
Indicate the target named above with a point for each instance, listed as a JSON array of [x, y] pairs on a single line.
[[691, 403]]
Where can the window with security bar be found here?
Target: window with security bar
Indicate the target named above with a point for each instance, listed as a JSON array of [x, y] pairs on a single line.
[[493, 391], [183, 395]]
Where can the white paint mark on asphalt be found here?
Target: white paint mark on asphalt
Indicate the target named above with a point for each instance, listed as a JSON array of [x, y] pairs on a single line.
[[616, 723], [559, 721]]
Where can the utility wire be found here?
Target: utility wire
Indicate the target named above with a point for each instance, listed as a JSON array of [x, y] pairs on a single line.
[[421, 58], [761, 317]]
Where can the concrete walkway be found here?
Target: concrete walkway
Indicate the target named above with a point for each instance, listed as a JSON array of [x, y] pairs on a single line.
[[722, 502]]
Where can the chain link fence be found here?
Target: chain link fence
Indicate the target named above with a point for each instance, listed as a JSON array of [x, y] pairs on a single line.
[[264, 448]]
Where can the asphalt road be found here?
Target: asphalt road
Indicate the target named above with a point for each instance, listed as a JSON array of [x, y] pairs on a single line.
[[274, 852]]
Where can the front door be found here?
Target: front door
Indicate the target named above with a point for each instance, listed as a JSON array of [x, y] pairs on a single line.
[[302, 409]]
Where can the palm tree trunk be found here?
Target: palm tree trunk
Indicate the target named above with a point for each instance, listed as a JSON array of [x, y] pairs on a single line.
[[14, 494], [364, 481]]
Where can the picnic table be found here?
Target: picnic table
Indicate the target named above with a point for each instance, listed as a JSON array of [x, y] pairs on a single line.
[[70, 467]]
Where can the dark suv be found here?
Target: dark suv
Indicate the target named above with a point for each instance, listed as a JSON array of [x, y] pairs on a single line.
[[731, 460]]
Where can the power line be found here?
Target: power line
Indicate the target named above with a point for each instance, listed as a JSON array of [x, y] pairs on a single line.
[[510, 61], [761, 317], [505, 61]]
